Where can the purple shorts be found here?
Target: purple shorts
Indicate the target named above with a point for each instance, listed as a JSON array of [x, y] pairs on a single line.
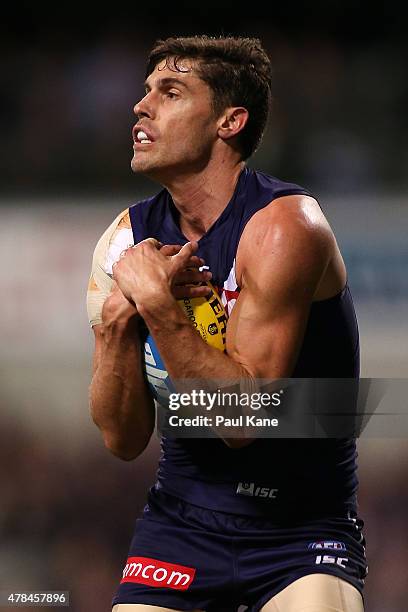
[[187, 557]]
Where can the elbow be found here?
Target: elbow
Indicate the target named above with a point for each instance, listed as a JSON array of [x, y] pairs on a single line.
[[124, 454], [127, 451]]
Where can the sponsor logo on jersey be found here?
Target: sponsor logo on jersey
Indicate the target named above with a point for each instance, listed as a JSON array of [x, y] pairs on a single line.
[[332, 544], [155, 573], [252, 490]]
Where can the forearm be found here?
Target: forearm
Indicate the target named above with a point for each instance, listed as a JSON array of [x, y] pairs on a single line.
[[121, 405], [183, 351], [193, 364], [147, 279]]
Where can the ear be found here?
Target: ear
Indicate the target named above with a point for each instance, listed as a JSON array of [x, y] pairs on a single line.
[[232, 121]]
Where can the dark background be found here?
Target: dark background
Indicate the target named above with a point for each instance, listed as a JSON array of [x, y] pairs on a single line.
[[69, 78]]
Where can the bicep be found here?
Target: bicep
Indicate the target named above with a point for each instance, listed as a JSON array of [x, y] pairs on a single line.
[[284, 258], [264, 336]]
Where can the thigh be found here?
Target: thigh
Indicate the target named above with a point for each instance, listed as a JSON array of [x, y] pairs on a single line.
[[142, 608], [316, 593], [282, 557], [171, 562]]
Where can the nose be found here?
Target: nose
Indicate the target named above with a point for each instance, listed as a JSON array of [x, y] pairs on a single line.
[[143, 107]]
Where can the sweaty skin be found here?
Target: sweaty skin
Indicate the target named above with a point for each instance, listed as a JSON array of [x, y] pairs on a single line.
[[282, 259], [287, 258]]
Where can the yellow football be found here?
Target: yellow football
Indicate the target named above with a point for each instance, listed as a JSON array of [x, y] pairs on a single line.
[[208, 316]]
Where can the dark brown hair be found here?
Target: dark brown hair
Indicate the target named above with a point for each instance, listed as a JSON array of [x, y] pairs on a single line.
[[237, 70]]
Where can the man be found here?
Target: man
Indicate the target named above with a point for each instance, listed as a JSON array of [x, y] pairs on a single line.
[[204, 543]]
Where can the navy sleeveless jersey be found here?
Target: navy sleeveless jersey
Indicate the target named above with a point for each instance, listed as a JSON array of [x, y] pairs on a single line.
[[311, 476]]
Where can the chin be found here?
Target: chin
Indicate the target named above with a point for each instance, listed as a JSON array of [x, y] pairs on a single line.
[[149, 172], [138, 167]]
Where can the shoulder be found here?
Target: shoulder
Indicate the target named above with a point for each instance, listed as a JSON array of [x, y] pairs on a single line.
[[266, 188], [286, 218], [279, 186], [120, 233], [115, 239], [291, 231], [120, 222]]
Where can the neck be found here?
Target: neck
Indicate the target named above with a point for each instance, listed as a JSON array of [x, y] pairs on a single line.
[[201, 197]]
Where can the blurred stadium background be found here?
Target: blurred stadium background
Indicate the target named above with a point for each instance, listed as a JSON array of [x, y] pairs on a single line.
[[68, 84]]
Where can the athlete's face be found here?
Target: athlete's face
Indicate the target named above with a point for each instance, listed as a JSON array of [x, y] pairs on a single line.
[[176, 128]]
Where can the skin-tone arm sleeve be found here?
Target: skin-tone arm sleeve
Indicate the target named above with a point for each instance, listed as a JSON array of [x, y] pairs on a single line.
[[113, 241]]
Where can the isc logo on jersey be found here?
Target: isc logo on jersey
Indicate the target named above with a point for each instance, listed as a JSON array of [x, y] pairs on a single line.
[[209, 318], [252, 490]]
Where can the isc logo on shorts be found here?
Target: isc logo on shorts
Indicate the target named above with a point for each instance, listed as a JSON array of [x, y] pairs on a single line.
[[158, 573]]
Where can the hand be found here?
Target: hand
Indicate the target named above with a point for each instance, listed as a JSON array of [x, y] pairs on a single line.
[[117, 309], [188, 282], [151, 275]]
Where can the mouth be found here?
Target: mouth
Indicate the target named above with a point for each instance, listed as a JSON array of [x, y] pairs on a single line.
[[141, 135]]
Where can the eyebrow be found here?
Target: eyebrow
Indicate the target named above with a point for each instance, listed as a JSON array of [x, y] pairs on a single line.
[[166, 81]]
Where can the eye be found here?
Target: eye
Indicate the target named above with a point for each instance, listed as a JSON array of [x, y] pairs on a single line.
[[172, 95]]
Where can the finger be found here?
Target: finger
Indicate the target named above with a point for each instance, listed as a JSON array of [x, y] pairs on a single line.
[[151, 241], [171, 249], [192, 276], [191, 291], [195, 262], [186, 253]]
